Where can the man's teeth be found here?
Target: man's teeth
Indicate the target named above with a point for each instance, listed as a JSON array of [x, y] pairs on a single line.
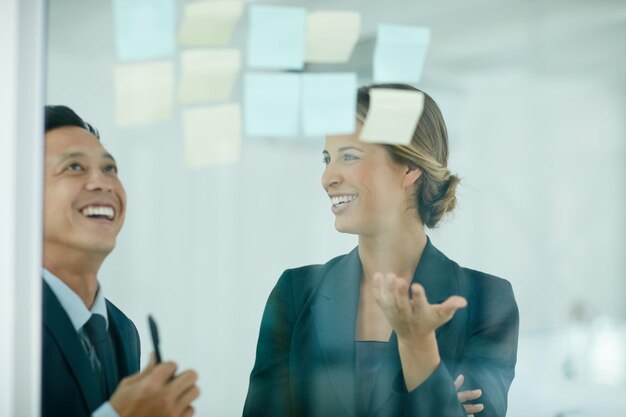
[[99, 211], [342, 199]]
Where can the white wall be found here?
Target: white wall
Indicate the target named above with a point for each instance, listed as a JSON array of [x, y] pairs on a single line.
[[534, 99]]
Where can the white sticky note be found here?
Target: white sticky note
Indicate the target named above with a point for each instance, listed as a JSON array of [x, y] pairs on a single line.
[[144, 92], [207, 74], [276, 37], [329, 104], [272, 104], [144, 29], [399, 53], [212, 135], [393, 116], [209, 23], [331, 36]]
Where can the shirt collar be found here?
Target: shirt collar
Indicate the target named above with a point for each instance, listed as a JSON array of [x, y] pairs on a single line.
[[73, 305]]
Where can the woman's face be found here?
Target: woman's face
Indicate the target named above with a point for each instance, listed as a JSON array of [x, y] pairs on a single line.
[[369, 192]]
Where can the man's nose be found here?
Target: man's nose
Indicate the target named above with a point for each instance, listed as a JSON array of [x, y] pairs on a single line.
[[99, 180]]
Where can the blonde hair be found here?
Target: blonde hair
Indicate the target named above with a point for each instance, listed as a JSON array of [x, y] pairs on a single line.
[[435, 191]]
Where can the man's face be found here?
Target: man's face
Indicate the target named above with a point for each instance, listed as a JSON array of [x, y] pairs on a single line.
[[84, 201]]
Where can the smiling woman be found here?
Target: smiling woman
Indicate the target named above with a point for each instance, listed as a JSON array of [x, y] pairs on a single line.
[[435, 195], [383, 330]]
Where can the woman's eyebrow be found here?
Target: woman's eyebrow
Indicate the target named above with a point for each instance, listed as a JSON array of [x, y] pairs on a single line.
[[345, 148]]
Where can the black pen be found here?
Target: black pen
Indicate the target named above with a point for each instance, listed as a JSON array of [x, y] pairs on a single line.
[[154, 333]]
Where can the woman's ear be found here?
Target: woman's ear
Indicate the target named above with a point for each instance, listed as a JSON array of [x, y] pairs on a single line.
[[411, 176]]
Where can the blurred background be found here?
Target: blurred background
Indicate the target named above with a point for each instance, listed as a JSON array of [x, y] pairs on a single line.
[[534, 96]]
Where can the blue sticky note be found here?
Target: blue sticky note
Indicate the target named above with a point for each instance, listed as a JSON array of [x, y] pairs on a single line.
[[276, 37], [400, 53], [329, 104], [144, 29], [272, 104]]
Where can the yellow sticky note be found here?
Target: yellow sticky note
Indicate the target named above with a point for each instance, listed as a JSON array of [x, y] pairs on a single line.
[[143, 92], [331, 36], [212, 135], [208, 74], [209, 23], [393, 116]]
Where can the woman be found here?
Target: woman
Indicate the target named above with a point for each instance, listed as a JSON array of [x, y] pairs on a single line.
[[382, 330]]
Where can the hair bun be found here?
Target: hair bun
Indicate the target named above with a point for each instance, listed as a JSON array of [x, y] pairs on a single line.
[[438, 199]]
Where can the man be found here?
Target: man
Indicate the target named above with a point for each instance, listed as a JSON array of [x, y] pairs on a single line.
[[90, 348]]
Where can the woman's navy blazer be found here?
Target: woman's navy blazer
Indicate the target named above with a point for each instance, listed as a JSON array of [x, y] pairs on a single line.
[[305, 360]]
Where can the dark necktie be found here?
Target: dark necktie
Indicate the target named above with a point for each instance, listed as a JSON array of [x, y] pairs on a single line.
[[101, 341]]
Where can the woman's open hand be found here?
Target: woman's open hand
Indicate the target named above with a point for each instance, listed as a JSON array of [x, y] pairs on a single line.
[[412, 317], [414, 320]]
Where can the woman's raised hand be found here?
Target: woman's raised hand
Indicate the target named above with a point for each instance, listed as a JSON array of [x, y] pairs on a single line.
[[410, 314], [414, 320]]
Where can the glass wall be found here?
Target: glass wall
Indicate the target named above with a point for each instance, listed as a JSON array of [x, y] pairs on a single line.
[[534, 96]]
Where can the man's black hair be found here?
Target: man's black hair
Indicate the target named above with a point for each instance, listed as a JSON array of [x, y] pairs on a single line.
[[60, 116]]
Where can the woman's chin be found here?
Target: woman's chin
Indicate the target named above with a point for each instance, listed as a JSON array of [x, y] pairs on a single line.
[[343, 227]]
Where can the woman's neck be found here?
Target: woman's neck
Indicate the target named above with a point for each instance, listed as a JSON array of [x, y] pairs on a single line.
[[398, 251]]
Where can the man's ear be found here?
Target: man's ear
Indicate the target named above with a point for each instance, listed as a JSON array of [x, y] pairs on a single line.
[[411, 176]]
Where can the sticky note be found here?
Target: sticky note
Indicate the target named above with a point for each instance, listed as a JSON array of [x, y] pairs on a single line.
[[331, 36], [399, 53], [328, 104], [144, 29], [393, 116], [272, 104], [209, 23], [212, 135], [276, 37], [144, 92], [207, 74]]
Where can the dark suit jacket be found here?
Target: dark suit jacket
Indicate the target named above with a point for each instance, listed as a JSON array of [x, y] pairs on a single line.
[[69, 384], [305, 353]]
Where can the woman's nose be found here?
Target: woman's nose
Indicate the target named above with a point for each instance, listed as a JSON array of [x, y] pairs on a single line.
[[330, 177]]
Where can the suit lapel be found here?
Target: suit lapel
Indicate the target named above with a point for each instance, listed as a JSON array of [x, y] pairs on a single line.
[[59, 326], [437, 275], [334, 317], [127, 359]]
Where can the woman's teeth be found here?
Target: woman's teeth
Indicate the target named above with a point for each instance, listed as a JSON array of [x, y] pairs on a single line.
[[342, 199]]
